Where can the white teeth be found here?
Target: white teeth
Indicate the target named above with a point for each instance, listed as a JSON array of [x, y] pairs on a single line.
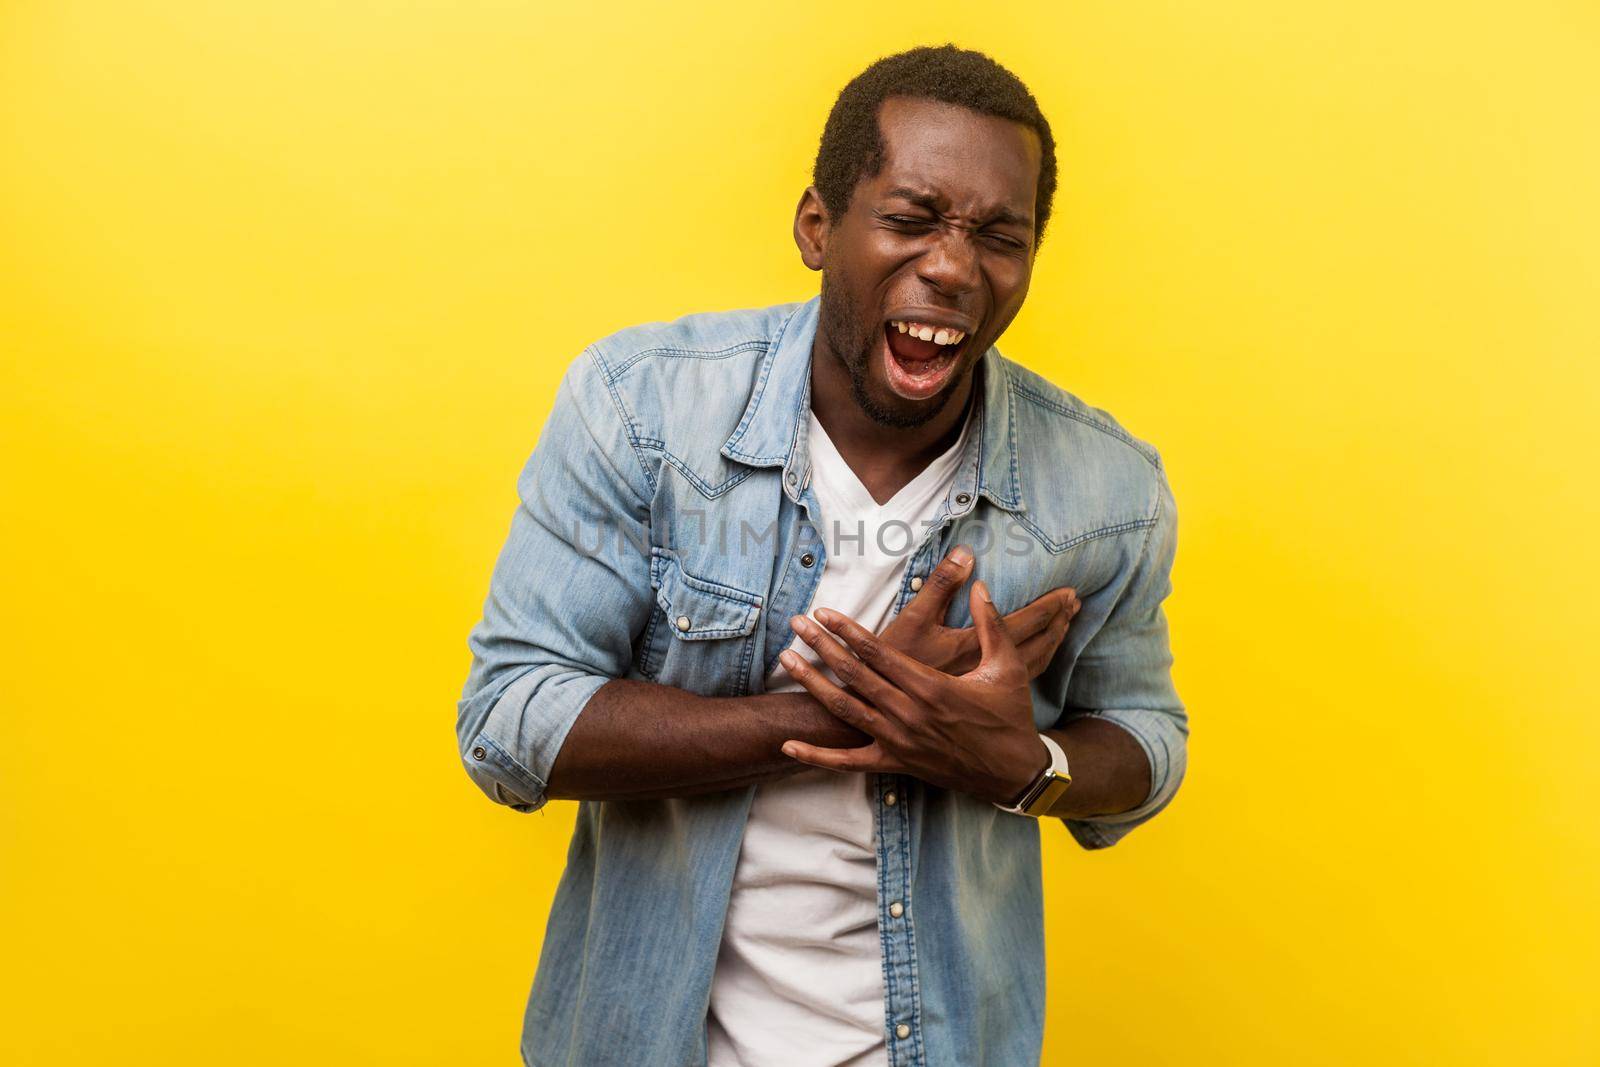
[[939, 335]]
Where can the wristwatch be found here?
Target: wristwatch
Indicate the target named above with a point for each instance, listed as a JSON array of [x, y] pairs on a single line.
[[1043, 791]]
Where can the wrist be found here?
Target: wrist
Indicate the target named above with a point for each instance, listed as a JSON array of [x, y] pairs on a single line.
[[1027, 771], [1041, 795], [816, 725]]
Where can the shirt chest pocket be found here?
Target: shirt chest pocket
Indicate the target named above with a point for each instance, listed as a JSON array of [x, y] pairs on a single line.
[[701, 635]]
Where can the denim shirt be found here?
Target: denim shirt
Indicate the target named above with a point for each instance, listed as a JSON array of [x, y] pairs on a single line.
[[667, 532]]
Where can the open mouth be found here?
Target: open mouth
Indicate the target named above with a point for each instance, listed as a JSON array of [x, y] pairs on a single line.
[[920, 358]]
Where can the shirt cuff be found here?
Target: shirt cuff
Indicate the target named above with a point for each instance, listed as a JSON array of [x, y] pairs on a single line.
[[511, 755], [1165, 745]]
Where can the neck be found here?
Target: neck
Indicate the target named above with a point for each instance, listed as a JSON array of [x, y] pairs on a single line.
[[857, 434], [883, 458]]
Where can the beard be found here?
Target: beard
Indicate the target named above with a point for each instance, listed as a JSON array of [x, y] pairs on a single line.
[[853, 342]]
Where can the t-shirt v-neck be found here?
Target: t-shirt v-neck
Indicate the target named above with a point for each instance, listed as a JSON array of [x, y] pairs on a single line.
[[848, 487]]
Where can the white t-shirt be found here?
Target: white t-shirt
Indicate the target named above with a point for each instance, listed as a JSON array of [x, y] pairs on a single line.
[[799, 977]]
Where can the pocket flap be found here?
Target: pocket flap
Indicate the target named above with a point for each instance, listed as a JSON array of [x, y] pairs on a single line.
[[697, 609]]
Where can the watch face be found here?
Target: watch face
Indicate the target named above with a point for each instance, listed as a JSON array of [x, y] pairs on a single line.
[[1047, 796], [1033, 791]]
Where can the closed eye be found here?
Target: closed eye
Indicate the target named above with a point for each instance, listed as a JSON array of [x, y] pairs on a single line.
[[911, 222]]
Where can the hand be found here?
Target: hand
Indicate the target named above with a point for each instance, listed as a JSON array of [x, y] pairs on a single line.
[[972, 732], [1037, 628]]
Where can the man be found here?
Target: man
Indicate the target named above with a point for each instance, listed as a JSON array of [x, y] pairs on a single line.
[[815, 841]]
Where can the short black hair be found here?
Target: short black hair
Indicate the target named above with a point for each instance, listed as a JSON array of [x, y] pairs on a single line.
[[852, 145]]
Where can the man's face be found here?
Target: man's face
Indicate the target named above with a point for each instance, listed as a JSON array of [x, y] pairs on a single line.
[[943, 235]]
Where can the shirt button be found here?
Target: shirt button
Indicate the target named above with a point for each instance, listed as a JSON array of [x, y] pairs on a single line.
[[902, 1031], [478, 753], [897, 909], [916, 584], [891, 798], [962, 498], [807, 560], [683, 622]]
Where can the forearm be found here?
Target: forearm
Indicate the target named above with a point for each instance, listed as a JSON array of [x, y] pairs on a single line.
[[637, 740], [1110, 772]]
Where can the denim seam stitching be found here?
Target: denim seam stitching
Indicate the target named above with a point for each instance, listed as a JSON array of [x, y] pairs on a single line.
[[707, 490], [689, 353], [1103, 837], [748, 657], [788, 581], [728, 592], [767, 363], [1139, 564], [1011, 433], [1056, 548], [911, 947], [629, 429], [891, 983], [1012, 499], [1151, 456], [524, 776], [647, 659]]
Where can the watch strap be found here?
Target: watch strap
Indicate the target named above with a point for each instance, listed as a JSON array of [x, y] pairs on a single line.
[[1043, 791]]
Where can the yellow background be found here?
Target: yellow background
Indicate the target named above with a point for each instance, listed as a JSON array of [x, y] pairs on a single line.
[[285, 290]]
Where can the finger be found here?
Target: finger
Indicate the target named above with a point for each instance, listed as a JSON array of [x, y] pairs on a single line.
[[835, 701], [1036, 616], [866, 758], [1037, 626], [933, 601], [901, 671], [851, 672], [999, 651], [967, 653], [1038, 650]]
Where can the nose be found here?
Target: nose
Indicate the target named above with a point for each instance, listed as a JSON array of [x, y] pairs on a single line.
[[951, 264]]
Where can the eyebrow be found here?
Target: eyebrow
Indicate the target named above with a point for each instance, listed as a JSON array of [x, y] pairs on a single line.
[[932, 203]]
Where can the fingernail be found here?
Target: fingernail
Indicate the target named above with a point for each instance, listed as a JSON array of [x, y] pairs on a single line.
[[824, 616], [788, 750], [983, 591], [801, 625], [789, 659], [961, 555]]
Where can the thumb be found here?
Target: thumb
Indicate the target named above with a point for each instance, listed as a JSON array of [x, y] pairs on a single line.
[[999, 651], [933, 601]]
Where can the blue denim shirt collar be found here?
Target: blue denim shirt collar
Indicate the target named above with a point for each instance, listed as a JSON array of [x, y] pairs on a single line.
[[772, 431]]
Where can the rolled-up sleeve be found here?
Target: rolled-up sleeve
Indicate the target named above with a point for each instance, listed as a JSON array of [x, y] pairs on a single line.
[[569, 593], [1124, 675]]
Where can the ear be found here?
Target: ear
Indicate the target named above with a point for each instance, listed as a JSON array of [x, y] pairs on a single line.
[[811, 228]]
